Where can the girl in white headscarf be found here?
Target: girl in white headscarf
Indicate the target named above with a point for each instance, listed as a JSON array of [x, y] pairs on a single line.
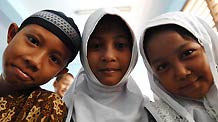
[[180, 53], [104, 91]]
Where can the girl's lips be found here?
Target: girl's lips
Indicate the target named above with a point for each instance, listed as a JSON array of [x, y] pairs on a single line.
[[189, 85], [109, 70]]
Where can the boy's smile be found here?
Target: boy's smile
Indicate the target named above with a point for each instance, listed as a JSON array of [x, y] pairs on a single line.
[[20, 74], [62, 83]]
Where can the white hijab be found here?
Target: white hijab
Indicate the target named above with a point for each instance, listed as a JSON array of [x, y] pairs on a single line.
[[205, 110], [88, 100]]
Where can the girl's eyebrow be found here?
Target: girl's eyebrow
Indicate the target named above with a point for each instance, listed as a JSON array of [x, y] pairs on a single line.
[[174, 52], [122, 36]]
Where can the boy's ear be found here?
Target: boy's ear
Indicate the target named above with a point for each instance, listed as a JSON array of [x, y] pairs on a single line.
[[65, 70], [12, 30]]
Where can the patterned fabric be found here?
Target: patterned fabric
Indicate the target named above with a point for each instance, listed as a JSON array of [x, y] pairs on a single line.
[[36, 106], [165, 113], [59, 22]]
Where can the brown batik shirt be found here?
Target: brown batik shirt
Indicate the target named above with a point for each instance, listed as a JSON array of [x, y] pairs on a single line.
[[32, 106]]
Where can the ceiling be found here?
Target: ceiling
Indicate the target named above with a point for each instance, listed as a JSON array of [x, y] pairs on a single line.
[[136, 12]]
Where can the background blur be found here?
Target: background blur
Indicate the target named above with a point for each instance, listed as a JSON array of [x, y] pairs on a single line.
[[136, 12]]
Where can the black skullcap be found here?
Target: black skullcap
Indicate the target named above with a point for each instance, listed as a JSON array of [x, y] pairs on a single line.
[[60, 25]]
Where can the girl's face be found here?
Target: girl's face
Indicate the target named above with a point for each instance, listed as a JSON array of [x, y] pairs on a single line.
[[180, 64], [109, 52]]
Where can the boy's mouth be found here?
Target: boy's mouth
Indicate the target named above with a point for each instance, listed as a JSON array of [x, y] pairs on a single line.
[[22, 75]]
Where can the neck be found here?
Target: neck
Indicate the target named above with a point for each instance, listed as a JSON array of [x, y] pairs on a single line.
[[5, 88]]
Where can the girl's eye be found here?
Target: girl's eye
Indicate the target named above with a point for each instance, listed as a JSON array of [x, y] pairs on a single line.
[[122, 45], [94, 45], [161, 67], [33, 40], [187, 53]]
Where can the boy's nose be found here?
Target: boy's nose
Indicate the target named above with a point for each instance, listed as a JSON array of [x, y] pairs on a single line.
[[34, 61]]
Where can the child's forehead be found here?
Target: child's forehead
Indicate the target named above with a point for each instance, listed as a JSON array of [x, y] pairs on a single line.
[[161, 29], [108, 29], [108, 25], [111, 24]]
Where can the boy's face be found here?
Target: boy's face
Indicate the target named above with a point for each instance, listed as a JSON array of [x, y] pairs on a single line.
[[33, 56], [63, 84], [180, 64], [109, 52]]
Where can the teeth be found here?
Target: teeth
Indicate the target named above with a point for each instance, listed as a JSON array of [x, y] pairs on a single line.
[[108, 70], [24, 74]]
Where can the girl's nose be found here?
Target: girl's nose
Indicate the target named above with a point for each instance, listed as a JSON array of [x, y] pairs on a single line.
[[109, 55], [181, 71]]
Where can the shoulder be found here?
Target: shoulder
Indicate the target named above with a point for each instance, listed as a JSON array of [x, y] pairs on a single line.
[[38, 104], [49, 102], [47, 97], [42, 93]]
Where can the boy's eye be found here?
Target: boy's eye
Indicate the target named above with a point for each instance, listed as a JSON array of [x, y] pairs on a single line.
[[33, 40], [186, 53], [55, 59]]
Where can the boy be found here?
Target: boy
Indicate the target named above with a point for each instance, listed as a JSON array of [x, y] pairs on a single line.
[[41, 48], [62, 83]]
